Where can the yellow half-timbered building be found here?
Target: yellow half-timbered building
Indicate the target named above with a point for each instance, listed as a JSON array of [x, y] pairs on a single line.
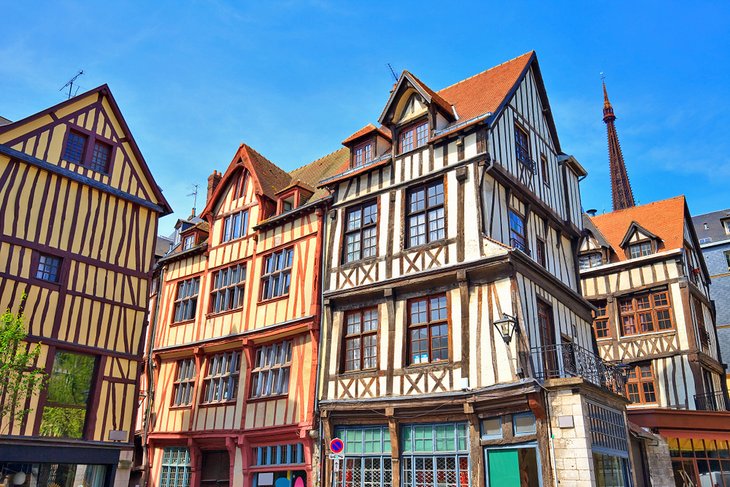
[[78, 223], [236, 331]]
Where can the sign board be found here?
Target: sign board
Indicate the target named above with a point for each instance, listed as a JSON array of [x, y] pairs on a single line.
[[336, 456], [337, 445]]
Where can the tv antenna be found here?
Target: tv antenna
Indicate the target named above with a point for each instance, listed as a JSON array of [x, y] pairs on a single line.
[[603, 76], [70, 84], [194, 194], [392, 71]]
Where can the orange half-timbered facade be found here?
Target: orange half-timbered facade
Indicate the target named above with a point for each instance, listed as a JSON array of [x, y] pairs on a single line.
[[78, 223], [237, 330]]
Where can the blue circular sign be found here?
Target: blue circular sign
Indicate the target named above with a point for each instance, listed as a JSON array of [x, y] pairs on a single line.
[[337, 445]]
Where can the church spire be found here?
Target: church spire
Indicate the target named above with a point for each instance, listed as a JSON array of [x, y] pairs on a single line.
[[621, 193]]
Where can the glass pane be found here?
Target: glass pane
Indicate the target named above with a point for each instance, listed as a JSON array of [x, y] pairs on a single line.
[[492, 427]]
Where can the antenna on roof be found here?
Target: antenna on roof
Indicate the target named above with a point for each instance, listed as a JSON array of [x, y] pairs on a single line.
[[392, 71], [70, 84], [603, 75], [194, 194]]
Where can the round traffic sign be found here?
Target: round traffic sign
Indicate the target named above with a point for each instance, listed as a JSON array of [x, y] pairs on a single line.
[[337, 445]]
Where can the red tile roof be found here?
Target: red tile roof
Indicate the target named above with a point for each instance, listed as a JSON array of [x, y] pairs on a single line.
[[485, 92], [369, 128], [665, 219], [322, 168], [435, 97]]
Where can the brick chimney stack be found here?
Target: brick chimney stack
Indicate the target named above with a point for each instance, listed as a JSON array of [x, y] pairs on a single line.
[[213, 181]]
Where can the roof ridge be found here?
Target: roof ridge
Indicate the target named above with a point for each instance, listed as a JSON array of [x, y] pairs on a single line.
[[316, 160], [665, 200], [486, 70]]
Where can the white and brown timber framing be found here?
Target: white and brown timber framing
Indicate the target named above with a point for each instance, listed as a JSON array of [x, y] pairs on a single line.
[[253, 184], [470, 148], [103, 226]]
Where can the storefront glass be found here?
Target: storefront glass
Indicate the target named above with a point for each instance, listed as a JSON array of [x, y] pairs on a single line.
[[52, 475], [698, 462], [367, 459]]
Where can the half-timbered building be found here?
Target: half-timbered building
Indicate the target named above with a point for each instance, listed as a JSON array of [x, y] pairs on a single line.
[[236, 338], [457, 349], [642, 269], [78, 222]]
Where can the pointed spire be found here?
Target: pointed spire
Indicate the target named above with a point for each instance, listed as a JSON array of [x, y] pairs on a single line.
[[621, 193]]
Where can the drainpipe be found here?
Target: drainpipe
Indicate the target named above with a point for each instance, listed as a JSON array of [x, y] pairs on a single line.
[[150, 380]]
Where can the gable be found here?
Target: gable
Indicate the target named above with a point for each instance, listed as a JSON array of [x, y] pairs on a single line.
[[96, 122], [637, 233]]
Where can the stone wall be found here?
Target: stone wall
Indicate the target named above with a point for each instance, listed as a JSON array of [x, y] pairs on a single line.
[[571, 445], [659, 463]]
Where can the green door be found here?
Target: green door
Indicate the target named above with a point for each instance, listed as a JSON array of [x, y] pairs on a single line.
[[504, 468]]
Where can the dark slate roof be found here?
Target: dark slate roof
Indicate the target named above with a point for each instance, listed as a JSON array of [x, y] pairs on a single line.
[[5, 121], [715, 230]]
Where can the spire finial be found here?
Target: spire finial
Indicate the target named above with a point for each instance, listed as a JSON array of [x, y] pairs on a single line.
[[621, 193]]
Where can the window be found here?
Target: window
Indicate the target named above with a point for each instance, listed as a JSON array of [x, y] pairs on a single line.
[[702, 335], [428, 330], [221, 381], [640, 386], [699, 462], [523, 424], [367, 457], [101, 156], [278, 454], [175, 471], [726, 225], [417, 133], [287, 205], [517, 231], [600, 320], [75, 145], [522, 147], [492, 428], [277, 274], [270, 374], [545, 170], [586, 261], [645, 313], [727, 259], [69, 389], [540, 257], [235, 226], [361, 339], [425, 214], [609, 445], [435, 455], [362, 154], [186, 301], [228, 286], [361, 230], [188, 242], [640, 250], [49, 267], [182, 392]]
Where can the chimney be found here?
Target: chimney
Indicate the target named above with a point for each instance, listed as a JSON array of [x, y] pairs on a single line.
[[213, 181]]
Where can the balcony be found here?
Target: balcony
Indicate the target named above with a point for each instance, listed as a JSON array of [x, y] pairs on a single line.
[[714, 401], [570, 360]]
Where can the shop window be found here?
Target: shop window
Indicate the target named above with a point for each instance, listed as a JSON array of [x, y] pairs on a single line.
[[292, 454], [700, 461], [53, 474], [435, 455], [69, 392], [270, 374], [610, 445], [367, 457], [175, 468]]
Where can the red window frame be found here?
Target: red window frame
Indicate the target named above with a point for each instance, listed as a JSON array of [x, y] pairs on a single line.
[[641, 384], [362, 154]]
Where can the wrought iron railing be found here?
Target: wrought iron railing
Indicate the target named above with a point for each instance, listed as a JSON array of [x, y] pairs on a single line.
[[713, 401], [571, 360]]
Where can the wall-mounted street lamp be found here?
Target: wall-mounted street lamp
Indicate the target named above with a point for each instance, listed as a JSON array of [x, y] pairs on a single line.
[[506, 327]]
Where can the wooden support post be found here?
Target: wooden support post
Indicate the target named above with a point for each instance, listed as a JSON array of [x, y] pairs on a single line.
[[394, 445], [476, 471]]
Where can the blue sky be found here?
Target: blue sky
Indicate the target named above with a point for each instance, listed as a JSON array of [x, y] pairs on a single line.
[[293, 79]]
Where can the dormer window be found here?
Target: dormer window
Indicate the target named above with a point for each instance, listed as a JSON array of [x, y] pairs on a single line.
[[362, 154], [413, 137], [640, 249], [188, 242], [726, 225], [287, 204], [587, 261]]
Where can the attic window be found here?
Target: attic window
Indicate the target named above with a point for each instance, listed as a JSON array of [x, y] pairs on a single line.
[[640, 250], [362, 154], [726, 225], [287, 204], [188, 242], [586, 261], [413, 137]]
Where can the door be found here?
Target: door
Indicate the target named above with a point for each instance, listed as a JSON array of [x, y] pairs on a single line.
[[216, 469], [547, 340], [504, 468]]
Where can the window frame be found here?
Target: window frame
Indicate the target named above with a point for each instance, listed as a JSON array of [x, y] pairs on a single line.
[[59, 268], [429, 324], [94, 164], [727, 258], [276, 370], [541, 252], [361, 335], [513, 241], [412, 130], [228, 231], [545, 168], [523, 151], [234, 287], [179, 472], [185, 241], [639, 380], [87, 153], [589, 256], [360, 230], [641, 247], [637, 311], [184, 382], [725, 222], [221, 378], [180, 301], [425, 211], [601, 315], [269, 277], [366, 149]]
